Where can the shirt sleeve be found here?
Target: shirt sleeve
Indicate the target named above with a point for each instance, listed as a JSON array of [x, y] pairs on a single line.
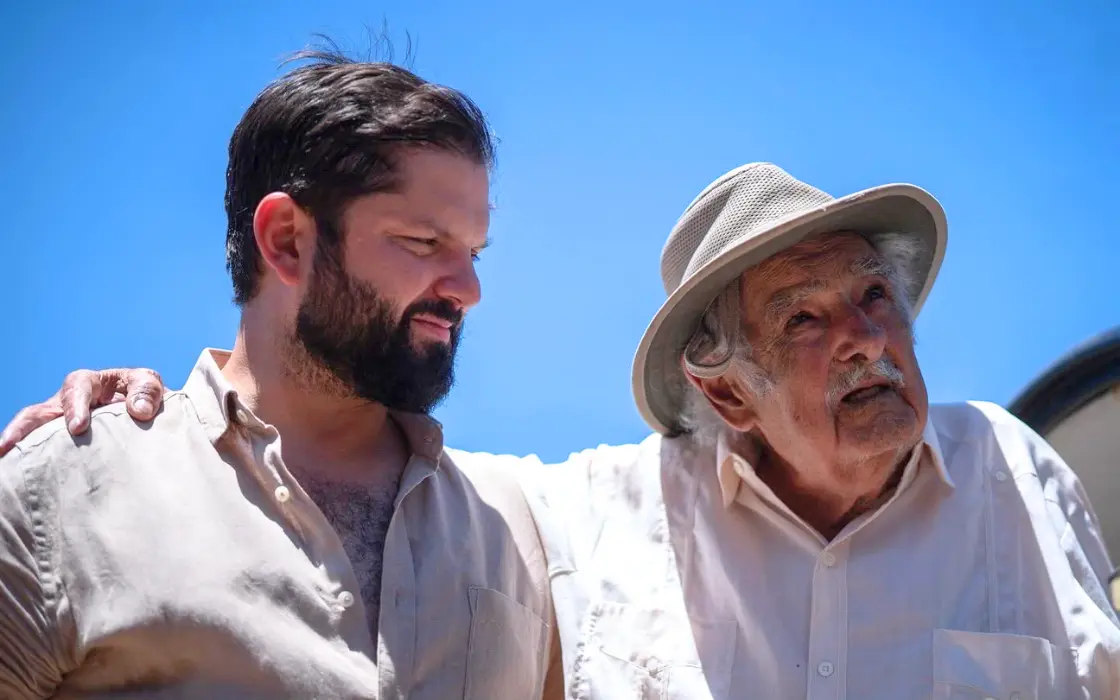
[[30, 660], [1075, 521], [1089, 556]]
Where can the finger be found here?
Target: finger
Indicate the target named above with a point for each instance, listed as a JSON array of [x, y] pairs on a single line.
[[77, 396], [26, 421], [144, 388]]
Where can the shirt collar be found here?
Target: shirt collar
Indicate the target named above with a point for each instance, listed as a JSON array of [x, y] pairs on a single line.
[[424, 434], [933, 448], [735, 471], [214, 398], [218, 406]]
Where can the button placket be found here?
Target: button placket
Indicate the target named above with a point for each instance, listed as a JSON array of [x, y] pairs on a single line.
[[828, 621], [318, 538]]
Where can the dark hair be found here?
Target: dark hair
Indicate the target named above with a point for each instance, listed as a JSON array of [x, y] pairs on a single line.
[[328, 132]]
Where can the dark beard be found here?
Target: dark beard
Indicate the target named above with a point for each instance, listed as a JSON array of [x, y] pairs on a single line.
[[348, 330]]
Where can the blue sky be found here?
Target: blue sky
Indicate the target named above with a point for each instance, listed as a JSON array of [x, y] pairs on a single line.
[[611, 116]]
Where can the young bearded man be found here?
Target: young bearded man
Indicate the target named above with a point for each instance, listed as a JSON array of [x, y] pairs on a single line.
[[289, 524]]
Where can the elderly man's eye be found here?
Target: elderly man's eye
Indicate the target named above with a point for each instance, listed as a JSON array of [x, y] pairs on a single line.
[[875, 291], [798, 319]]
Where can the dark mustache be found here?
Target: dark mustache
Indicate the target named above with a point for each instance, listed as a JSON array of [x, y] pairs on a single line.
[[440, 308]]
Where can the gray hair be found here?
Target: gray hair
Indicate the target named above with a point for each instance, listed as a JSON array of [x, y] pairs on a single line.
[[719, 345]]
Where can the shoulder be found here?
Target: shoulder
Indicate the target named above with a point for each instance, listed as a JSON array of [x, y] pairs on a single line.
[[487, 483], [612, 462], [596, 482], [973, 420], [997, 437], [109, 425], [52, 461], [491, 475], [485, 466], [984, 423]]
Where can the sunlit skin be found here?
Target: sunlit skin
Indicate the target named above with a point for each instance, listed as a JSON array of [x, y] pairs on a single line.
[[422, 243], [811, 313], [417, 242]]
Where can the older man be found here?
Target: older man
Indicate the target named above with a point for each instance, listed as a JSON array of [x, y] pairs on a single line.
[[804, 524]]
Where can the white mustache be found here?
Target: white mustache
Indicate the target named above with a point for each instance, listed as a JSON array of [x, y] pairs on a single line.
[[846, 381]]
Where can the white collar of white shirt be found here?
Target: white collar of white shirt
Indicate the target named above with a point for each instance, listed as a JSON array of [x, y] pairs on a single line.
[[737, 474]]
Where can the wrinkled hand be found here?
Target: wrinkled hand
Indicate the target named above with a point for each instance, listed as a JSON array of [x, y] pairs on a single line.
[[84, 390]]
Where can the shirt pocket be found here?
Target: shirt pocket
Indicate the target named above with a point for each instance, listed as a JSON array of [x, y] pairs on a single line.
[[980, 665], [629, 651], [506, 648]]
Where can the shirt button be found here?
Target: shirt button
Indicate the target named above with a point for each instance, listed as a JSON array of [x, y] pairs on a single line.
[[825, 669], [282, 494], [829, 559], [1001, 476], [346, 599]]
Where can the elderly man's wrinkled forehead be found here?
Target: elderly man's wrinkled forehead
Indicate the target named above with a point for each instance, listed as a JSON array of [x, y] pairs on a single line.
[[812, 265]]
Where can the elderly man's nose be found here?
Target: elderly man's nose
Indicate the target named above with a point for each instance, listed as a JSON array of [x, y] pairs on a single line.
[[859, 336]]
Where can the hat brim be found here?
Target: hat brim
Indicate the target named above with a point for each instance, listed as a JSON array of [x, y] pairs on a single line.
[[899, 208]]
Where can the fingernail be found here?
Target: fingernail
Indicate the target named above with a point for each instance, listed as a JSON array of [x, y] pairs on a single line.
[[75, 425], [142, 405]]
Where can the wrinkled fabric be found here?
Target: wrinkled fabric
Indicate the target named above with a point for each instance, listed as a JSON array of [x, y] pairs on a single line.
[[180, 559], [676, 573]]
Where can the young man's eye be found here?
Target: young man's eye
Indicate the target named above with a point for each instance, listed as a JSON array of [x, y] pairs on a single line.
[[420, 244]]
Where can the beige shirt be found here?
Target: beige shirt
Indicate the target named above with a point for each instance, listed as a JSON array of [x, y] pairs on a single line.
[[678, 574], [180, 559]]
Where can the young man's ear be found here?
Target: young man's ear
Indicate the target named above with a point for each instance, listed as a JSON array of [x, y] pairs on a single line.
[[285, 237]]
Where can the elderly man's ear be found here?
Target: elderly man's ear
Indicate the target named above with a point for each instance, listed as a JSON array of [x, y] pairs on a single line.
[[729, 400]]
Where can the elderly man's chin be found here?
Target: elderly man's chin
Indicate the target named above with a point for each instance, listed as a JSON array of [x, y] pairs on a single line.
[[887, 421]]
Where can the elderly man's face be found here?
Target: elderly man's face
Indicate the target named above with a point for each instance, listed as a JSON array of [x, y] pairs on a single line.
[[816, 315]]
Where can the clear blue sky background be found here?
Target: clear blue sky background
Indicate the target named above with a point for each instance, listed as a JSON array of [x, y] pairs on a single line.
[[612, 116]]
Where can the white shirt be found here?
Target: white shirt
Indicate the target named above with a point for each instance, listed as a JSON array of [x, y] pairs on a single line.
[[677, 574]]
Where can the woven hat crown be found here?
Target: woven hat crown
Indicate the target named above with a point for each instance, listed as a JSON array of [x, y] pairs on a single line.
[[747, 200]]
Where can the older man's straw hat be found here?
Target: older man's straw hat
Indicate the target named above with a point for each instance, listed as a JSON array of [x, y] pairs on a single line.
[[744, 217]]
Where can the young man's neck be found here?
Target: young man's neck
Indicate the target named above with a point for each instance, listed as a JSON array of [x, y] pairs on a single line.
[[315, 425]]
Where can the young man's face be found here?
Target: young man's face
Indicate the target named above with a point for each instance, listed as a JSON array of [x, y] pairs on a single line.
[[383, 316]]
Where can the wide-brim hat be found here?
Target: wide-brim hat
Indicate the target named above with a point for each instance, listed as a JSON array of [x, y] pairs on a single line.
[[744, 217]]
